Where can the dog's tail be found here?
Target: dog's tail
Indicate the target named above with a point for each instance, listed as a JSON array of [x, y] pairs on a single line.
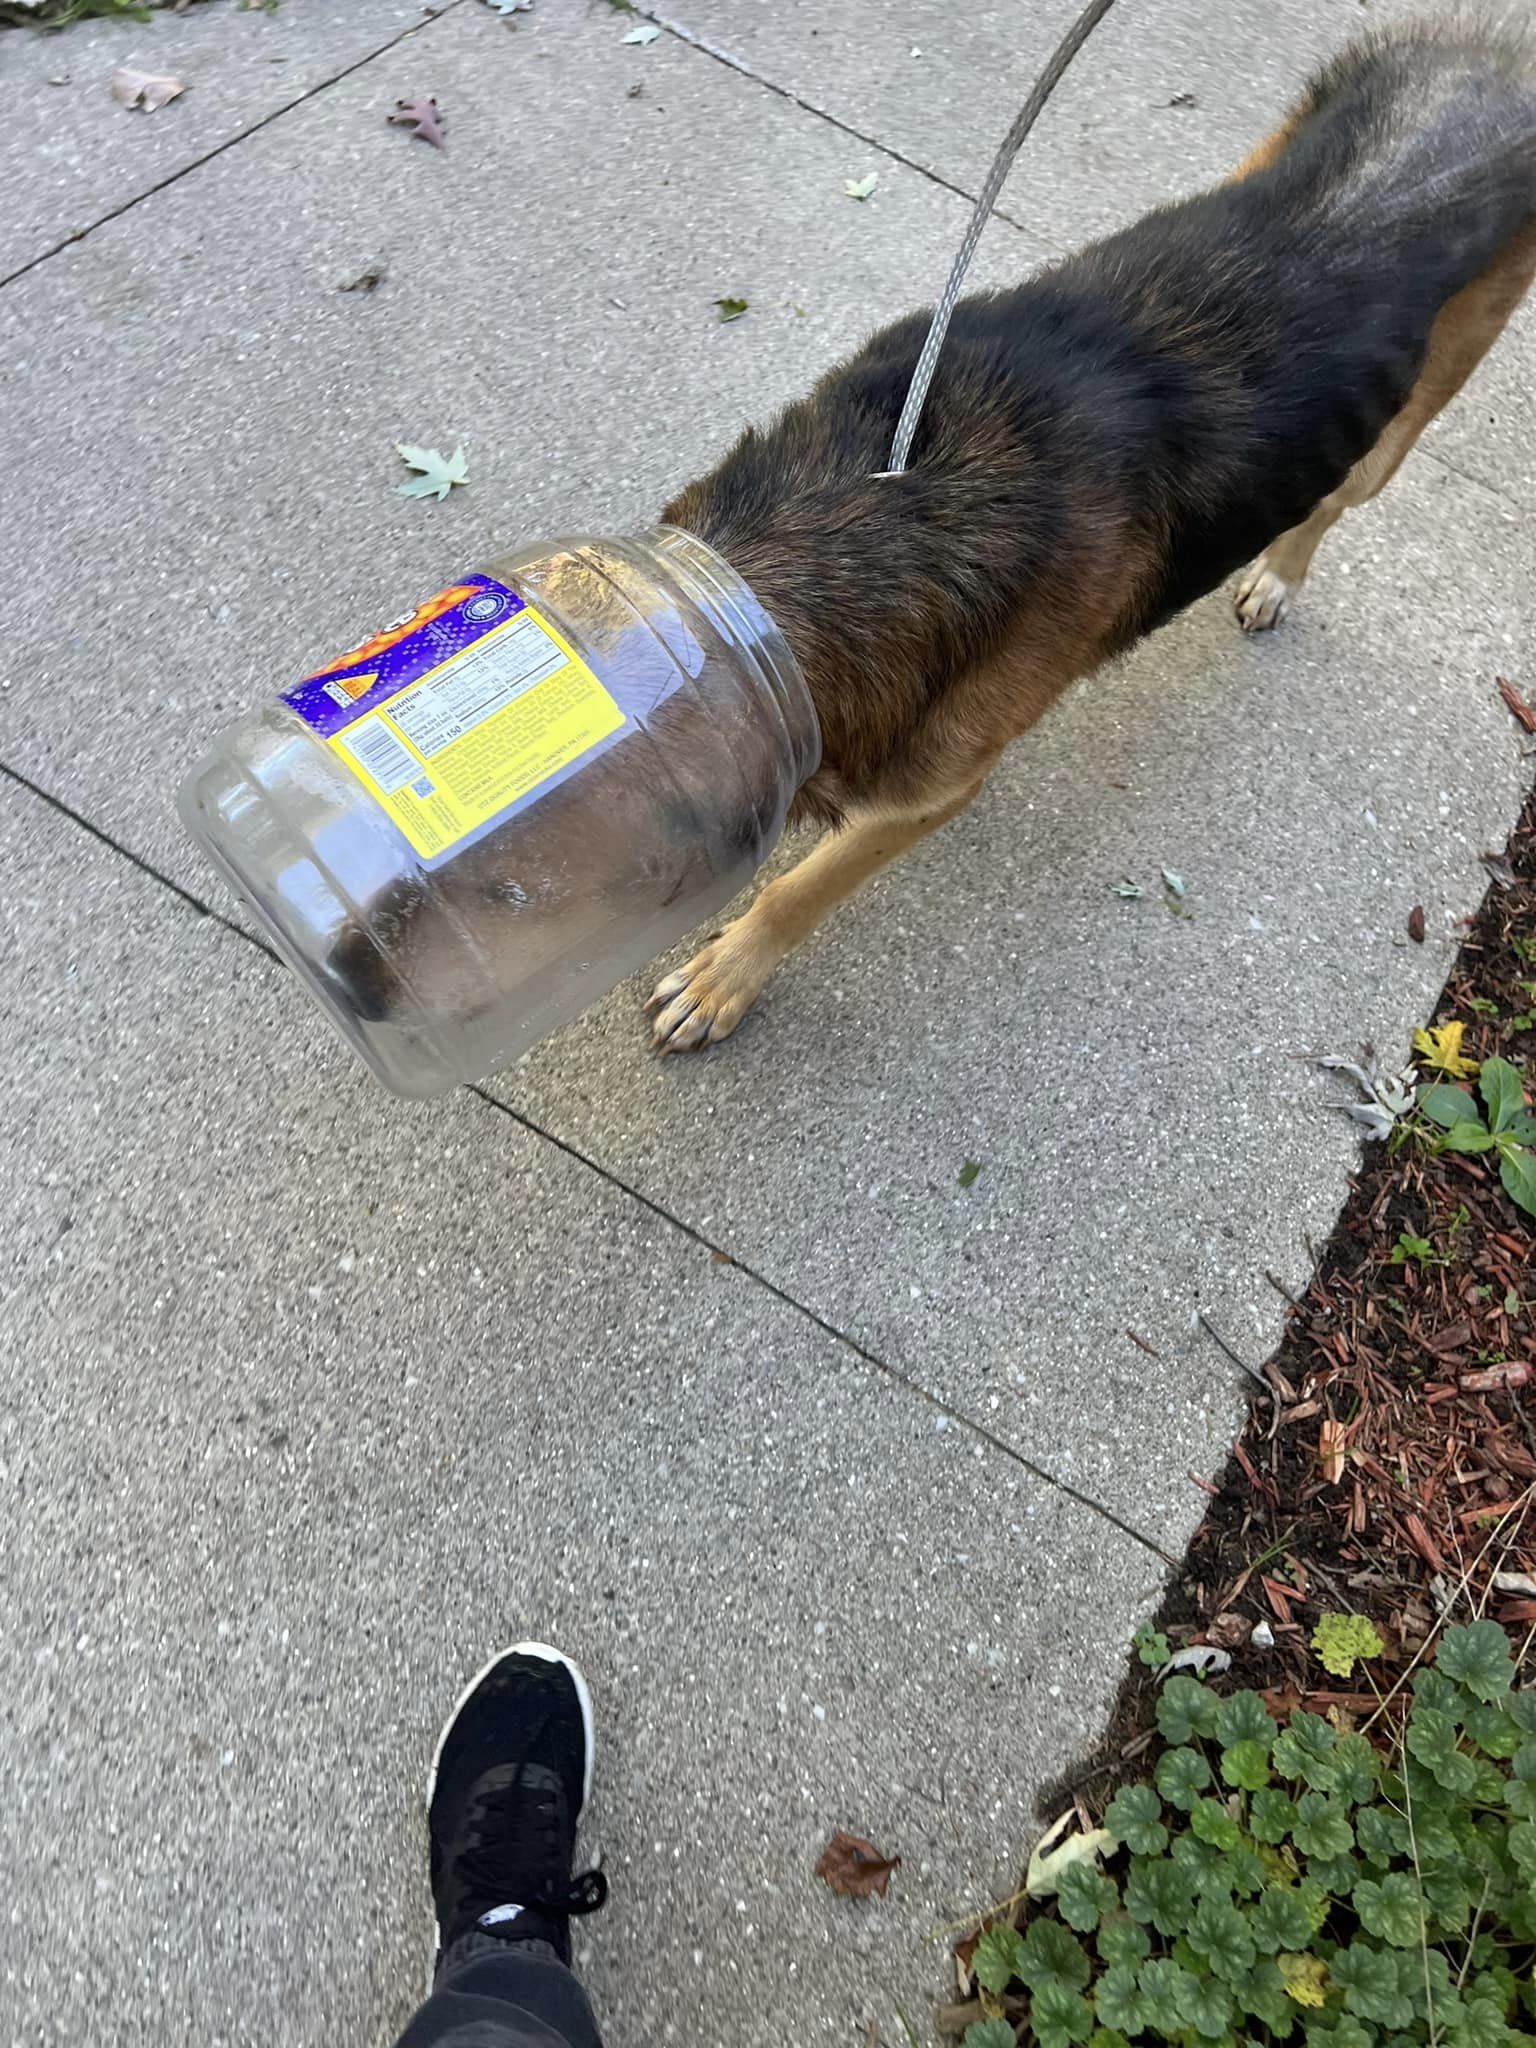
[[1423, 139]]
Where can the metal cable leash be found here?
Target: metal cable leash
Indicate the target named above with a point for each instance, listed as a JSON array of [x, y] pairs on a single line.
[[1002, 163]]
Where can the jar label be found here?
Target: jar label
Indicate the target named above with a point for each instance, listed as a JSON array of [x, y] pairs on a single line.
[[460, 713]]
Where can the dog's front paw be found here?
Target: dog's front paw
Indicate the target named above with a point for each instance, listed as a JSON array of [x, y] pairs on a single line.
[[1261, 599], [704, 1002]]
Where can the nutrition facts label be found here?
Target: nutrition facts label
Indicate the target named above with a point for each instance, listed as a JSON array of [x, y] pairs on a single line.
[[480, 733], [473, 686]]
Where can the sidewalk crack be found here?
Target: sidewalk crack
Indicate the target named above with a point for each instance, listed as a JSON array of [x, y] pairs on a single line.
[[659, 1210], [173, 177]]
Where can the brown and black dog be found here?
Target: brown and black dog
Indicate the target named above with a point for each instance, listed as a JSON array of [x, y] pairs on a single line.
[[1106, 443]]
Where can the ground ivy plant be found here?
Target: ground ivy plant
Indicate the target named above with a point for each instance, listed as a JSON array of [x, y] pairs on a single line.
[[1298, 1883]]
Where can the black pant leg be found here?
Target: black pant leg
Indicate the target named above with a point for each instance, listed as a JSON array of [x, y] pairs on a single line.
[[503, 1994]]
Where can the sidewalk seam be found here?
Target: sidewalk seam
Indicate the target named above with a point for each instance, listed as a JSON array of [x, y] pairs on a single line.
[[657, 1209], [229, 142], [743, 69]]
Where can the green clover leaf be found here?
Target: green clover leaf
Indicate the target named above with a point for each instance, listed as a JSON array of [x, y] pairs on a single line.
[[1304, 1749], [1059, 2015], [1322, 1828], [1083, 1895], [1166, 1991], [1212, 1823], [1478, 1657], [1381, 1835], [1392, 1909], [1185, 1709], [998, 1955], [1122, 1942], [1243, 1717], [1246, 1764], [1181, 1776], [1133, 1818], [1280, 1920], [1118, 2000], [1271, 1816], [989, 2034], [1218, 1932], [1052, 1955], [1369, 1978], [1162, 1892]]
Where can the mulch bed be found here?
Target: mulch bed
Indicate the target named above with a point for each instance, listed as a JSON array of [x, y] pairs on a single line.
[[1388, 1465]]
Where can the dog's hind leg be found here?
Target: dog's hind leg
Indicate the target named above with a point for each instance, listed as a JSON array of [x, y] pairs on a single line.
[[705, 1001], [1465, 328]]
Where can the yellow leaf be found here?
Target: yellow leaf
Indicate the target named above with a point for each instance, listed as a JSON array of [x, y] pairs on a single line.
[[1440, 1050], [1306, 1978]]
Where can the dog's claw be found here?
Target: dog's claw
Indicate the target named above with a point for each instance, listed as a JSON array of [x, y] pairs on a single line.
[[1261, 600], [704, 1002]]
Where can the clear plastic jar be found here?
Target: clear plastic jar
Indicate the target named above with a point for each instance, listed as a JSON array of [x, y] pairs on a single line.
[[473, 825]]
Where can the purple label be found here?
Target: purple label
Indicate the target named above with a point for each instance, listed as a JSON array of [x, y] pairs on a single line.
[[369, 675]]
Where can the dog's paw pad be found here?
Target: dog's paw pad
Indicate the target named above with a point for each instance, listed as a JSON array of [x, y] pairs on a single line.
[[1261, 600]]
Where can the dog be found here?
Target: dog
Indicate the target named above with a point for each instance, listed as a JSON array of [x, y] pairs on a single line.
[[1108, 442]]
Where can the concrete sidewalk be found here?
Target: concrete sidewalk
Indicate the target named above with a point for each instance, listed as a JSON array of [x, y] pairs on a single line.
[[309, 1398]]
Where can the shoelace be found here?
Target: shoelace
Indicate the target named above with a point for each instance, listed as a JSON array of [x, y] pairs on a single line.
[[584, 1894]]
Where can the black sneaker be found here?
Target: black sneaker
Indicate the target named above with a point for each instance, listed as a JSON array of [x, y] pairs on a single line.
[[509, 1783]]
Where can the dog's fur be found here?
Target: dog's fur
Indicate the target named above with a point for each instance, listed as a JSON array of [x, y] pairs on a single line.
[[1108, 442]]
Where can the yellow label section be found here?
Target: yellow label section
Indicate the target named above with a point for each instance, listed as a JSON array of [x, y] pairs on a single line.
[[483, 729]]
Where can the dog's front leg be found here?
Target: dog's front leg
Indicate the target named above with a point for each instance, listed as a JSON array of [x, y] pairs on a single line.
[[707, 999]]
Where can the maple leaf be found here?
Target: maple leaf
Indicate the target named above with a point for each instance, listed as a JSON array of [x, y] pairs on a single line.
[[854, 1868], [439, 473], [421, 116], [1440, 1049], [144, 89]]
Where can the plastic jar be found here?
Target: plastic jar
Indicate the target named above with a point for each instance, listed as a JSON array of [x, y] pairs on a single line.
[[475, 823]]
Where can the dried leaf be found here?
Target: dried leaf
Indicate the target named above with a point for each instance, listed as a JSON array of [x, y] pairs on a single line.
[[1416, 924], [860, 188], [1174, 884], [1440, 1050], [854, 1868], [509, 6], [1452, 1338], [144, 89], [423, 119], [1228, 1631], [366, 280], [646, 33], [439, 473], [1131, 891], [731, 309], [1052, 1855], [1200, 1658], [1500, 869], [1517, 706]]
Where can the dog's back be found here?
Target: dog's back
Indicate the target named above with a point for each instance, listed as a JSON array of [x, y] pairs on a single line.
[[1316, 278]]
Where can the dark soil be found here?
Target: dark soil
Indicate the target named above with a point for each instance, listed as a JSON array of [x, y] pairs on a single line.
[[1387, 1470]]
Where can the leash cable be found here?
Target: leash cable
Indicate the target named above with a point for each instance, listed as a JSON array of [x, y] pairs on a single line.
[[1002, 163]]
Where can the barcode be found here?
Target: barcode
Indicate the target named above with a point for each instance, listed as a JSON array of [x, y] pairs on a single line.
[[374, 748]]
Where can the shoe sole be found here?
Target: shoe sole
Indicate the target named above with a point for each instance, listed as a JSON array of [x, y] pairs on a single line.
[[584, 1696]]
